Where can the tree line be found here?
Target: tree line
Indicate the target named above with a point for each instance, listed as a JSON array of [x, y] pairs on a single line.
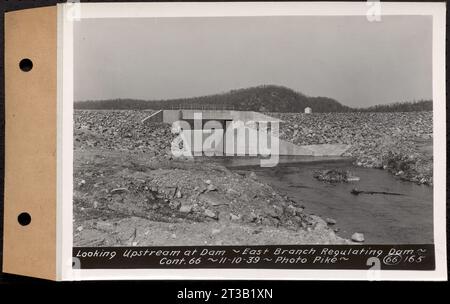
[[265, 98]]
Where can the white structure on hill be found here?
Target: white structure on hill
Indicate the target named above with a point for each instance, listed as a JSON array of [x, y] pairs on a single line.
[[308, 110]]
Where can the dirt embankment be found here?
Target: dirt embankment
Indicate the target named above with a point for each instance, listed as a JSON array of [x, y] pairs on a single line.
[[398, 142], [129, 191], [129, 199]]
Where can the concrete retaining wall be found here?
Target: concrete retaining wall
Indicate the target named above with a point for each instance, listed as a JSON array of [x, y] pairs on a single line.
[[245, 143]]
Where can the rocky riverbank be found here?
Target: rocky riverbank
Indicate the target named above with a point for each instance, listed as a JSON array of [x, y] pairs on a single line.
[[129, 199], [129, 191], [398, 142]]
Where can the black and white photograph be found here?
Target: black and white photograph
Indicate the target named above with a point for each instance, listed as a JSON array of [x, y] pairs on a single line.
[[264, 134]]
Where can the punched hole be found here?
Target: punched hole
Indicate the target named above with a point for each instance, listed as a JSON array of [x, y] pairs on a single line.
[[26, 65], [24, 219]]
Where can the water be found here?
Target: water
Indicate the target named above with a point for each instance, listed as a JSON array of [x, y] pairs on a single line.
[[395, 219]]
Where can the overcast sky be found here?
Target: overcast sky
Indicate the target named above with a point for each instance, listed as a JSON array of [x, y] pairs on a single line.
[[357, 62]]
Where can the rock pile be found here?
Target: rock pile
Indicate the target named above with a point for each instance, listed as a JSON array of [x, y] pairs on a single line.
[[398, 142], [332, 176], [121, 130], [124, 173], [123, 185]]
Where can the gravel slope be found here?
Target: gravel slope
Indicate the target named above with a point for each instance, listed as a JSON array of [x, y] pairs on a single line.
[[398, 142]]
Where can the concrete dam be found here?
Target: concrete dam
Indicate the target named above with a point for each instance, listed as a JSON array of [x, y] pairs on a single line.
[[236, 133]]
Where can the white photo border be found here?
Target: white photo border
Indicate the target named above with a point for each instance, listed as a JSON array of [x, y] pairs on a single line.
[[66, 18]]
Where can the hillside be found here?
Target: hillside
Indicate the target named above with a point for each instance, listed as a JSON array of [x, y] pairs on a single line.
[[415, 106], [268, 98]]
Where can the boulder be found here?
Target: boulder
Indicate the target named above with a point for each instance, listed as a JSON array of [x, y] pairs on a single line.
[[211, 214], [358, 237], [330, 221], [185, 208], [235, 217], [213, 199], [211, 187]]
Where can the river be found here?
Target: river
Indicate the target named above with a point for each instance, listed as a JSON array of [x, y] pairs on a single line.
[[384, 219]]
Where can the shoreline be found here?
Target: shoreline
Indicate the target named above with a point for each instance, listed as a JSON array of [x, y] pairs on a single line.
[[118, 197], [400, 142], [125, 176]]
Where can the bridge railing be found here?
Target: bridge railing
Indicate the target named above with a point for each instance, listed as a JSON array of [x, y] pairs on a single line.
[[200, 106]]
